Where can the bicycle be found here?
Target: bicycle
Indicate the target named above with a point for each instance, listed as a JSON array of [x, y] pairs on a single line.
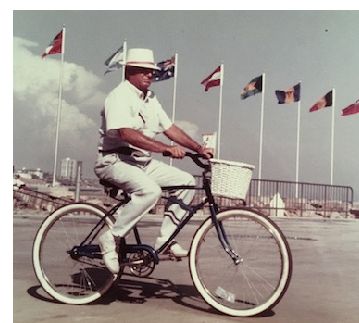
[[240, 261]]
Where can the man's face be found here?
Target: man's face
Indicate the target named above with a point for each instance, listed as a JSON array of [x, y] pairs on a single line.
[[140, 77]]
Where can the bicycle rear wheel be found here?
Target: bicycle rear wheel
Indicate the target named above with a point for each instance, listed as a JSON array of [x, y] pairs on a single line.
[[67, 272], [261, 277]]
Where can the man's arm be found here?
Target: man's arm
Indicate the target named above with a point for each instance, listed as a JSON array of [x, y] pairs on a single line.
[[180, 137], [139, 140]]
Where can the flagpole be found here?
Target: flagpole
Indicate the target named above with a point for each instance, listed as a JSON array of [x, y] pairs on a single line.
[[124, 59], [261, 137], [174, 96], [220, 112], [59, 104], [332, 141], [297, 155]]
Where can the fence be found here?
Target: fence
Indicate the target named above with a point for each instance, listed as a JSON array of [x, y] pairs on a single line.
[[26, 197], [302, 197], [298, 198], [312, 199]]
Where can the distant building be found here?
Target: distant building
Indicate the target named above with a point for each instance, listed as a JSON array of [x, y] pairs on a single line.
[[30, 173], [68, 169]]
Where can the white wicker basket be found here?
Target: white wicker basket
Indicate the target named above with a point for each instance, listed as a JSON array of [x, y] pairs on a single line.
[[230, 179]]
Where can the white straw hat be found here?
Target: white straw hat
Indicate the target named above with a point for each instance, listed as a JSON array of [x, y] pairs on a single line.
[[141, 57]]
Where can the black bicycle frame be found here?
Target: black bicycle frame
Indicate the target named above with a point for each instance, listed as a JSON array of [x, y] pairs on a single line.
[[191, 209]]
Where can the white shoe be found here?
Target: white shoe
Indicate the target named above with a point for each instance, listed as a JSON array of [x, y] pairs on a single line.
[[176, 249], [108, 248]]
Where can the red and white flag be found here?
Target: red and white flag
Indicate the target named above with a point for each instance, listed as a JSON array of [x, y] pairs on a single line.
[[212, 80], [351, 109], [55, 47]]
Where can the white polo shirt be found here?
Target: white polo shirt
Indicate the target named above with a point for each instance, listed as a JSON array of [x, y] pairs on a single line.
[[125, 107]]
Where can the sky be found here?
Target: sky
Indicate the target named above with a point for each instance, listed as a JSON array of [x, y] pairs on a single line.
[[318, 48]]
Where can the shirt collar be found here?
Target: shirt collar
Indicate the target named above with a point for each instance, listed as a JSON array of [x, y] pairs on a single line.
[[138, 92]]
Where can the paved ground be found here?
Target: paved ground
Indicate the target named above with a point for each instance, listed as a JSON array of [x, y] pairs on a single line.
[[324, 287]]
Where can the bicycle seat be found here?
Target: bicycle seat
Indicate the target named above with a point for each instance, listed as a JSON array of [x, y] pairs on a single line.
[[112, 190]]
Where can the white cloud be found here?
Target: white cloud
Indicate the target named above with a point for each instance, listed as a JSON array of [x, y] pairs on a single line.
[[35, 88], [36, 84]]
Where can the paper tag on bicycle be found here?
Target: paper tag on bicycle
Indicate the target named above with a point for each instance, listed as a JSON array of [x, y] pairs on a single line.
[[210, 140], [222, 293]]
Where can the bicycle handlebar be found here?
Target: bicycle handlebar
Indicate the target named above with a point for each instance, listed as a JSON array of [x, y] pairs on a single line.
[[196, 158]]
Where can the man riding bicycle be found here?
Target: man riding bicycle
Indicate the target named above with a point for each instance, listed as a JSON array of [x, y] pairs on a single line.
[[131, 118]]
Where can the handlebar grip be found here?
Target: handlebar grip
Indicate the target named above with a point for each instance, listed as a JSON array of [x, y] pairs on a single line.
[[195, 158]]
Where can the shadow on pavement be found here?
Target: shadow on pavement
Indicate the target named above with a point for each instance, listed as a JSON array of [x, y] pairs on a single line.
[[134, 290], [37, 292], [130, 289]]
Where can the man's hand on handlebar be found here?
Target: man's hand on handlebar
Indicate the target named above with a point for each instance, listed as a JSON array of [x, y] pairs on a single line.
[[195, 157], [207, 153], [175, 152], [179, 152]]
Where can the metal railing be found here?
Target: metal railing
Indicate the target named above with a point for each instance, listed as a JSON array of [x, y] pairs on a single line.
[[26, 197], [299, 198]]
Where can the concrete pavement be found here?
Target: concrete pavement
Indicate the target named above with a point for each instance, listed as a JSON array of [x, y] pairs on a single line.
[[324, 285]]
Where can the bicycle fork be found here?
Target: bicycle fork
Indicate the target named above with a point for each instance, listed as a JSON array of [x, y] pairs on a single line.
[[221, 233]]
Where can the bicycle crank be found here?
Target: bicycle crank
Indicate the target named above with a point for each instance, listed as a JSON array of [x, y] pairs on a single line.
[[141, 263]]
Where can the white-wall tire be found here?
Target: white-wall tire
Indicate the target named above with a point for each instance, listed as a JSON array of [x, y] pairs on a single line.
[[60, 230], [255, 285]]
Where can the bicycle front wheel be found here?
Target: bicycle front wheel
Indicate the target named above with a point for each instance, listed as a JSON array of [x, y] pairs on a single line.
[[260, 276], [68, 271]]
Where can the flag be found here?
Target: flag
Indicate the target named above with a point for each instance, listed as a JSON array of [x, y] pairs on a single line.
[[351, 109], [212, 80], [167, 70], [55, 47], [115, 61], [325, 101], [253, 87], [289, 96]]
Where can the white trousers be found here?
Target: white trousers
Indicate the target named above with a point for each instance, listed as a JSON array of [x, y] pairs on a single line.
[[143, 184]]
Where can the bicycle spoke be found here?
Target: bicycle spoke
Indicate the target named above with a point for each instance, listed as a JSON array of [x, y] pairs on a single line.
[[252, 285], [66, 275]]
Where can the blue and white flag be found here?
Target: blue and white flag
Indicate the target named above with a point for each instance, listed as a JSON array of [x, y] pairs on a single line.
[[167, 70], [115, 61]]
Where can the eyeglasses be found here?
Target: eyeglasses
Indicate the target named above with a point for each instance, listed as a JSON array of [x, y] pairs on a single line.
[[140, 70]]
